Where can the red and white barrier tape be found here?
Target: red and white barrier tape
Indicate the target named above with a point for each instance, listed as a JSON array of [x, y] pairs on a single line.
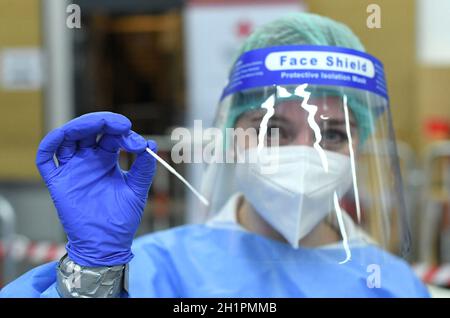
[[22, 249], [433, 274]]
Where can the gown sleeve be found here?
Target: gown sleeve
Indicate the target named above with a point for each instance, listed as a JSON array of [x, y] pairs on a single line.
[[36, 283]]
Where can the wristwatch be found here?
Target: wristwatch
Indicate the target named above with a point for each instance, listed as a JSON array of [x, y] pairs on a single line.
[[75, 281]]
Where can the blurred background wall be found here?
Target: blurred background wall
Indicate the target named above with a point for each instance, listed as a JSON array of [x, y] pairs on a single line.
[[21, 119]]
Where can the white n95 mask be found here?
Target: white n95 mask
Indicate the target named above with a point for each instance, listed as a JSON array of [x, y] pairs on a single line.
[[298, 192]]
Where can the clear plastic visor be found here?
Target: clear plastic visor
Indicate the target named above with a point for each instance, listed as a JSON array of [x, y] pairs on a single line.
[[310, 166]]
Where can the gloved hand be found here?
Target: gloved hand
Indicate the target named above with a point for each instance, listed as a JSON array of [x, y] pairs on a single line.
[[99, 205]]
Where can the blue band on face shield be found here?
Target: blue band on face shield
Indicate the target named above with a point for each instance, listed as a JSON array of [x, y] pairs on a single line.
[[312, 64]]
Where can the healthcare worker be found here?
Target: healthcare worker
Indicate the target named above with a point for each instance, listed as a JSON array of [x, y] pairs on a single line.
[[306, 205]]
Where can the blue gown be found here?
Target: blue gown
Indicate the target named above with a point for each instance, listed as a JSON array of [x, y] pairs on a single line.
[[203, 261]]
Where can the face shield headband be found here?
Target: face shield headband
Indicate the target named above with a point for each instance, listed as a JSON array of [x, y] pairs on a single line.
[[311, 64]]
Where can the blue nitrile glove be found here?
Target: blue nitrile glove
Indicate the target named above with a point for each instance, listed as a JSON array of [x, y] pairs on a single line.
[[99, 205]]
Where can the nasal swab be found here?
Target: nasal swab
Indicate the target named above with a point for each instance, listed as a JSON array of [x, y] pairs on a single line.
[[168, 167]]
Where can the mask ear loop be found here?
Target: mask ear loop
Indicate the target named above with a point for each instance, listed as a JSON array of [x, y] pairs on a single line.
[[174, 172]]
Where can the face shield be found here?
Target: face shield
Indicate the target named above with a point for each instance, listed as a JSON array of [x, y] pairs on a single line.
[[307, 149]]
